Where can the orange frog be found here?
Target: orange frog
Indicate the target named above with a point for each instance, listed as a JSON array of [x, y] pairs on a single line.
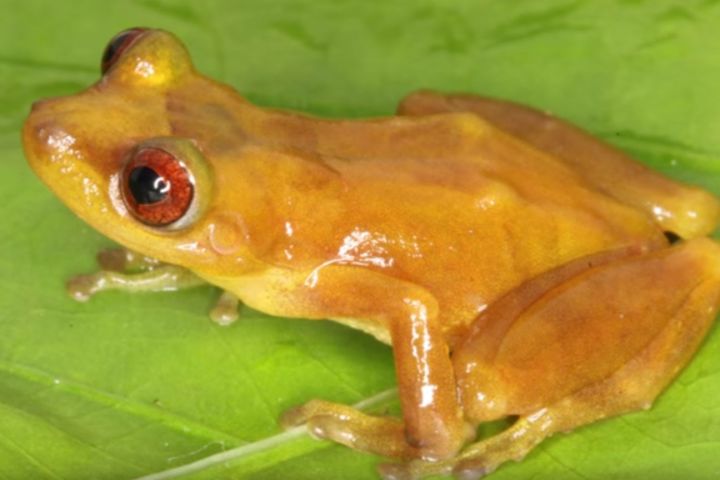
[[516, 265]]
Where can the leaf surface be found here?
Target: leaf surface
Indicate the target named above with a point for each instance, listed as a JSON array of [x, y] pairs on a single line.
[[130, 385]]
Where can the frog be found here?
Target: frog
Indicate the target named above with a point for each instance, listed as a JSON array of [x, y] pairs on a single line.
[[518, 267]]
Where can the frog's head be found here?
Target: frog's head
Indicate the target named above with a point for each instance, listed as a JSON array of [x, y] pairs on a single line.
[[135, 159]]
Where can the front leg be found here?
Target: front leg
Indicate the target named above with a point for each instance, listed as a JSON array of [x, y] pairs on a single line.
[[426, 381], [129, 271], [160, 279], [432, 426], [353, 428]]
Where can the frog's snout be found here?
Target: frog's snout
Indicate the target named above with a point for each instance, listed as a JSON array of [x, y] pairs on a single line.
[[39, 123], [46, 141]]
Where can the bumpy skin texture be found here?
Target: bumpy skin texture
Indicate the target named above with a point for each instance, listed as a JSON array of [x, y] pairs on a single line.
[[409, 227]]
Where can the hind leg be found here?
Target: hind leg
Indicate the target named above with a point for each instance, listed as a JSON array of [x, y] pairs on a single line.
[[620, 393], [562, 361]]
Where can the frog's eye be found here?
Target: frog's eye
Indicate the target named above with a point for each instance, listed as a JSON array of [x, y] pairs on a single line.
[[157, 187], [117, 46]]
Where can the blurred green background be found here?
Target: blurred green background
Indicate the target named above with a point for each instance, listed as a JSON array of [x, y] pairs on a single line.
[[127, 385]]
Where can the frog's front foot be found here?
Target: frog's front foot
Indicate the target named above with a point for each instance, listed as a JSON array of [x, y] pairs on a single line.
[[82, 287], [381, 435], [346, 425], [112, 261], [123, 269], [162, 278]]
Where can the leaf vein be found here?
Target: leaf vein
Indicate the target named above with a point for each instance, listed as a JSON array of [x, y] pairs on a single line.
[[139, 409], [76, 438], [264, 444]]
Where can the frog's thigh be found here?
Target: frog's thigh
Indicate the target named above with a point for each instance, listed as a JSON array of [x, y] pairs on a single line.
[[634, 386], [427, 389], [684, 210], [681, 309]]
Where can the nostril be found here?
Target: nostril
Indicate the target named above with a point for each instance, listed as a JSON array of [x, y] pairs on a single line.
[[48, 140], [40, 104]]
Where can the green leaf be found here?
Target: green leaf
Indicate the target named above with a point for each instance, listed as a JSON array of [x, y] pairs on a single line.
[[129, 385]]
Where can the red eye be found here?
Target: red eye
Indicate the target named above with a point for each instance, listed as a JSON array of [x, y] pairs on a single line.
[[156, 187], [117, 46]]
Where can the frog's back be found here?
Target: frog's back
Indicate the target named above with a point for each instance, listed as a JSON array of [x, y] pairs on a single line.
[[445, 201], [471, 228]]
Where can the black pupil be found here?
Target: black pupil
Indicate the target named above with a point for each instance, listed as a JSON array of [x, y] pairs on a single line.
[[147, 186], [114, 46]]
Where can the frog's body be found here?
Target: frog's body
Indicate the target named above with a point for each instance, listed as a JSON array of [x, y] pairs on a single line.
[[446, 216], [407, 227]]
